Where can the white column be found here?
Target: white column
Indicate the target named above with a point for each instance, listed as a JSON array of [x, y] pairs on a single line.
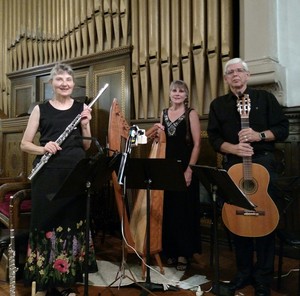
[[259, 45]]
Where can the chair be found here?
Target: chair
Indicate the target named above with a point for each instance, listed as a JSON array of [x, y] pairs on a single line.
[[8, 189], [288, 188]]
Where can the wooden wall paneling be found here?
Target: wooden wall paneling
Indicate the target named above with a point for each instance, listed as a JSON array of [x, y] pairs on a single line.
[[82, 88], [292, 164], [44, 91], [13, 161], [115, 72], [207, 156], [2, 115], [289, 166], [292, 143], [23, 94], [198, 50]]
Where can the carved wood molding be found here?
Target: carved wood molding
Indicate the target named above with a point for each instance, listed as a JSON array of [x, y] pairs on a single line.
[[83, 61]]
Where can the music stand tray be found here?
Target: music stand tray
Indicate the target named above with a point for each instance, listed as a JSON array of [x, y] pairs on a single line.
[[96, 171], [164, 174], [226, 188], [153, 174]]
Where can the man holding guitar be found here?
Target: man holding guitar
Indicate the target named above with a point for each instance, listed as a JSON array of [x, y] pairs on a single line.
[[243, 125]]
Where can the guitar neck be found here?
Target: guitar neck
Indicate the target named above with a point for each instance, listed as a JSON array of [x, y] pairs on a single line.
[[244, 109]]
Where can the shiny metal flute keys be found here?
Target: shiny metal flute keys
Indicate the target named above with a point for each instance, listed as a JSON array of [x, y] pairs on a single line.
[[44, 159], [12, 269]]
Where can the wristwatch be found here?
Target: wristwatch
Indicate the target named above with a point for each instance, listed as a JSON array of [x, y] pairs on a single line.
[[262, 136]]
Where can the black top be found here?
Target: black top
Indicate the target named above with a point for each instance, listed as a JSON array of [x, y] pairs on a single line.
[[265, 114], [53, 123], [177, 146]]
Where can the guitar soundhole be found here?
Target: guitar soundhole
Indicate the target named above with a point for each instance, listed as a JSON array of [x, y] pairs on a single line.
[[249, 186]]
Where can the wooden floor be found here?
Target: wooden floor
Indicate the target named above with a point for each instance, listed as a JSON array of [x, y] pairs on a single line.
[[110, 249]]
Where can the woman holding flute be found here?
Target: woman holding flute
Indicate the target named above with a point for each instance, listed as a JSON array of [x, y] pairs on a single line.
[[56, 247]]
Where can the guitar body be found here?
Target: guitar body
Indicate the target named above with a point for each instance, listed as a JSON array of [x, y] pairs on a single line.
[[247, 223]]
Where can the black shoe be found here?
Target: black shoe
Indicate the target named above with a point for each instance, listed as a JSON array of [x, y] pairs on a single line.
[[239, 283], [262, 290]]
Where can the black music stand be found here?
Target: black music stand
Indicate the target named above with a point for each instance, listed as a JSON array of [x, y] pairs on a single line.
[[153, 174], [218, 183], [89, 175]]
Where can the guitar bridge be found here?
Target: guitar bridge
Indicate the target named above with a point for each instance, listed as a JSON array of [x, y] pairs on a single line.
[[250, 213]]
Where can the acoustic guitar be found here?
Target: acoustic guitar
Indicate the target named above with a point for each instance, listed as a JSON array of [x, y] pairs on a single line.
[[253, 180]]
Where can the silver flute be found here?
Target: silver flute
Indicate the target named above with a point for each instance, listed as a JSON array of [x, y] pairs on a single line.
[[12, 269], [44, 159]]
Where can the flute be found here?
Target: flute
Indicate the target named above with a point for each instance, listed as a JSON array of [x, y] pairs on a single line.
[[12, 256], [44, 159]]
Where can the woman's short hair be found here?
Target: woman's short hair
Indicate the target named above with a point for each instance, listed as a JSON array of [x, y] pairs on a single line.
[[60, 68]]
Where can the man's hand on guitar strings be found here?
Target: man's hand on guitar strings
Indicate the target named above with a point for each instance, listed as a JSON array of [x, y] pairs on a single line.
[[243, 149]]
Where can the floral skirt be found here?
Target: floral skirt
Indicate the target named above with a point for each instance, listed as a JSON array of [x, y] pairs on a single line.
[[56, 258]]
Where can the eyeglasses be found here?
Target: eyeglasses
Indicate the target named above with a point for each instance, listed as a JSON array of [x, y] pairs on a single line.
[[238, 70]]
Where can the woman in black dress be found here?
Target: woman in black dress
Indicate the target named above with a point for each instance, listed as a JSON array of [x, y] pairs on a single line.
[[181, 215], [56, 248]]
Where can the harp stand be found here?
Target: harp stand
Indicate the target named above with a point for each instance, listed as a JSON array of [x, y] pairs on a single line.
[[218, 182], [89, 174]]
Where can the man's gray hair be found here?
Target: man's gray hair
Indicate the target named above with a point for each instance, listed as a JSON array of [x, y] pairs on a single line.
[[236, 61]]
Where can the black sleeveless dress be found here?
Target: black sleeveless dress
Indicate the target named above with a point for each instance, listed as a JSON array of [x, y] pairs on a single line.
[[56, 246], [181, 210]]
